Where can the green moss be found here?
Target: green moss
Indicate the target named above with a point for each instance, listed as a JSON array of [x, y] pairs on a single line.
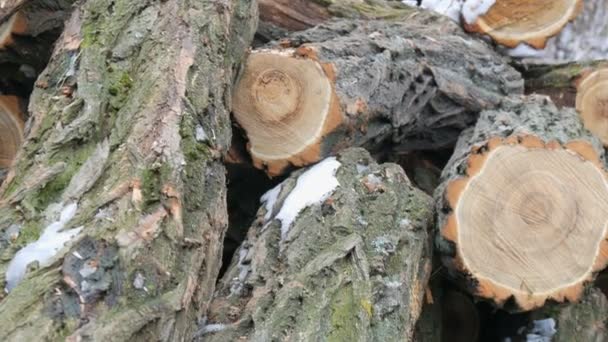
[[344, 316], [150, 184], [29, 233], [74, 158]]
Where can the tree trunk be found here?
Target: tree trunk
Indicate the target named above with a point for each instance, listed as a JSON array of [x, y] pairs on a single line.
[[413, 84], [114, 163], [330, 258], [582, 85], [522, 205]]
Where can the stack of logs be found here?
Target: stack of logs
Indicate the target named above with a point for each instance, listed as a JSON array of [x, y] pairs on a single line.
[[346, 248]]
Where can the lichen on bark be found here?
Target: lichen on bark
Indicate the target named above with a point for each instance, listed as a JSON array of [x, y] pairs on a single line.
[[137, 77], [352, 268]]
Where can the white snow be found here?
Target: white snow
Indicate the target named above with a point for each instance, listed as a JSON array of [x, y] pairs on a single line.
[[469, 9], [542, 331], [449, 8], [313, 186], [269, 199], [524, 50], [44, 249], [200, 133], [472, 9]]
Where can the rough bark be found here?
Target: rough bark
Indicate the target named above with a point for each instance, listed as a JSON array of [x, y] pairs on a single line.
[[115, 131], [352, 268], [414, 84], [531, 121]]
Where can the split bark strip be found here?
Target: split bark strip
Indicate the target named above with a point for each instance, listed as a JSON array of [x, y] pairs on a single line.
[[512, 22], [352, 267], [113, 139], [533, 185], [352, 83], [297, 15], [582, 85]]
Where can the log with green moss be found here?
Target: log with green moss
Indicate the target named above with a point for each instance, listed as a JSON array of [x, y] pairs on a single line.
[[346, 261], [122, 163]]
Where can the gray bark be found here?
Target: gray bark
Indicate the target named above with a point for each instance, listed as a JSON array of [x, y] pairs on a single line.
[[353, 268], [535, 115], [142, 77], [415, 83]]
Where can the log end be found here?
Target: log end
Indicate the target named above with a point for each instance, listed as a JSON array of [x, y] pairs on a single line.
[[592, 102], [286, 103], [17, 24], [512, 22], [11, 129], [528, 220]]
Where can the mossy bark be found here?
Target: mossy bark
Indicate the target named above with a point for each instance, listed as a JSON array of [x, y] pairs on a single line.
[[112, 128], [353, 268], [585, 321]]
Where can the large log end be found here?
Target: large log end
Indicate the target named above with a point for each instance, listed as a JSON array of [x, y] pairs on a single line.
[[285, 100], [519, 213], [512, 22]]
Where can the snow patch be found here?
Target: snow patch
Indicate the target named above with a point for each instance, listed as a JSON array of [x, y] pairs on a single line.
[[449, 8], [524, 50], [312, 187], [542, 331], [269, 199], [472, 9], [44, 249]]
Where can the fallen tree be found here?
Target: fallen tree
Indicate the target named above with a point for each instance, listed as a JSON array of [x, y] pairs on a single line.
[[413, 84], [338, 252], [122, 161], [522, 207]]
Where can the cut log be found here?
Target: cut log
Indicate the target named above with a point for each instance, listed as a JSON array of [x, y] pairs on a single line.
[[295, 15], [523, 206], [11, 129], [512, 22], [353, 83], [339, 252], [28, 30], [585, 38], [112, 216], [583, 85]]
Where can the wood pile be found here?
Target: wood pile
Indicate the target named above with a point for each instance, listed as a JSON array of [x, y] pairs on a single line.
[[303, 170]]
